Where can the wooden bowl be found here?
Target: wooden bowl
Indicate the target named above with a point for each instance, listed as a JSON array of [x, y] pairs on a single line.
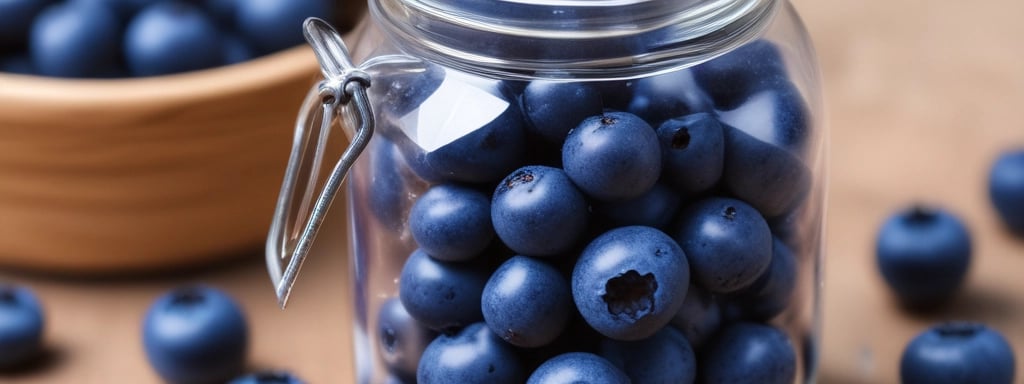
[[109, 176]]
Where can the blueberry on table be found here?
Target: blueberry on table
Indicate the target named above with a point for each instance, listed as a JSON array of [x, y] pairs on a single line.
[[675, 94], [75, 39], [699, 317], [441, 295], [773, 291], [269, 377], [552, 108], [923, 254], [730, 78], [727, 242], [655, 208], [578, 367], [665, 357], [538, 211], [473, 355], [273, 25], [764, 175], [527, 302], [629, 282], [777, 115], [452, 222], [170, 37], [748, 353], [195, 334], [612, 156], [692, 152], [16, 20], [1006, 189], [958, 352], [400, 339], [21, 326]]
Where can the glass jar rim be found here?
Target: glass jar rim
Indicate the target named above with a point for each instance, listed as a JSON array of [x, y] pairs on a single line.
[[571, 39]]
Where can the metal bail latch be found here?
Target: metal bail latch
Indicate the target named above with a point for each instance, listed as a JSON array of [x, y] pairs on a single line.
[[297, 217]]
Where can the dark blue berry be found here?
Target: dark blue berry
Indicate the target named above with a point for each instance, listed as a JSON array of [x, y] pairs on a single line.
[[537, 211], [195, 334], [730, 78], [612, 156], [655, 208], [776, 115], [1006, 189], [16, 18], [665, 357], [766, 176], [273, 25], [473, 355], [171, 37], [552, 108], [667, 96], [400, 339], [727, 242], [748, 353], [21, 326], [771, 293], [577, 367], [924, 255], [75, 39], [527, 302], [629, 282], [452, 222], [269, 377], [958, 353], [692, 152], [699, 317], [441, 295]]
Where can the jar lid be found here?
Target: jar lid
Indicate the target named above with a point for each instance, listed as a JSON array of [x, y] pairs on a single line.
[[578, 39]]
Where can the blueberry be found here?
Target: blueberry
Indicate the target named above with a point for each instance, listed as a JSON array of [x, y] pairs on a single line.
[[273, 25], [452, 222], [269, 377], [21, 326], [612, 156], [923, 255], [692, 152], [665, 357], [195, 334], [527, 302], [75, 40], [577, 367], [16, 20], [772, 292], [473, 355], [1006, 189], [401, 340], [727, 242], [776, 115], [662, 97], [730, 78], [958, 352], [748, 353], [236, 50], [766, 176], [629, 282], [699, 317], [171, 37], [655, 208], [552, 108], [441, 295], [537, 211], [18, 63]]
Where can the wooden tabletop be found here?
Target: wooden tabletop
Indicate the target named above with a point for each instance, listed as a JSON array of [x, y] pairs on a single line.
[[921, 97]]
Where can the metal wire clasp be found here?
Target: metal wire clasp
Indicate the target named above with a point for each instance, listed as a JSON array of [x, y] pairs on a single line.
[[297, 217]]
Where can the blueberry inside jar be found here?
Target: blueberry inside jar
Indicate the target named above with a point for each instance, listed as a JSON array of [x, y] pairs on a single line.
[[565, 174]]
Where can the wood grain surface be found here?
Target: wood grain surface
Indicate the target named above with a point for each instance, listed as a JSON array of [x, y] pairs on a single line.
[[921, 97]]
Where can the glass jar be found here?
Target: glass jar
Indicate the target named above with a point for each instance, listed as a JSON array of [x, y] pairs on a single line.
[[641, 181]]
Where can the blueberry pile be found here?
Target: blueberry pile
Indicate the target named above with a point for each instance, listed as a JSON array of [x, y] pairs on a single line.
[[640, 230], [122, 38]]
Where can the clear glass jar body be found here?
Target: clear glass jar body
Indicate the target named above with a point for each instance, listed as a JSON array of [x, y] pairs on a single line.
[[460, 114]]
